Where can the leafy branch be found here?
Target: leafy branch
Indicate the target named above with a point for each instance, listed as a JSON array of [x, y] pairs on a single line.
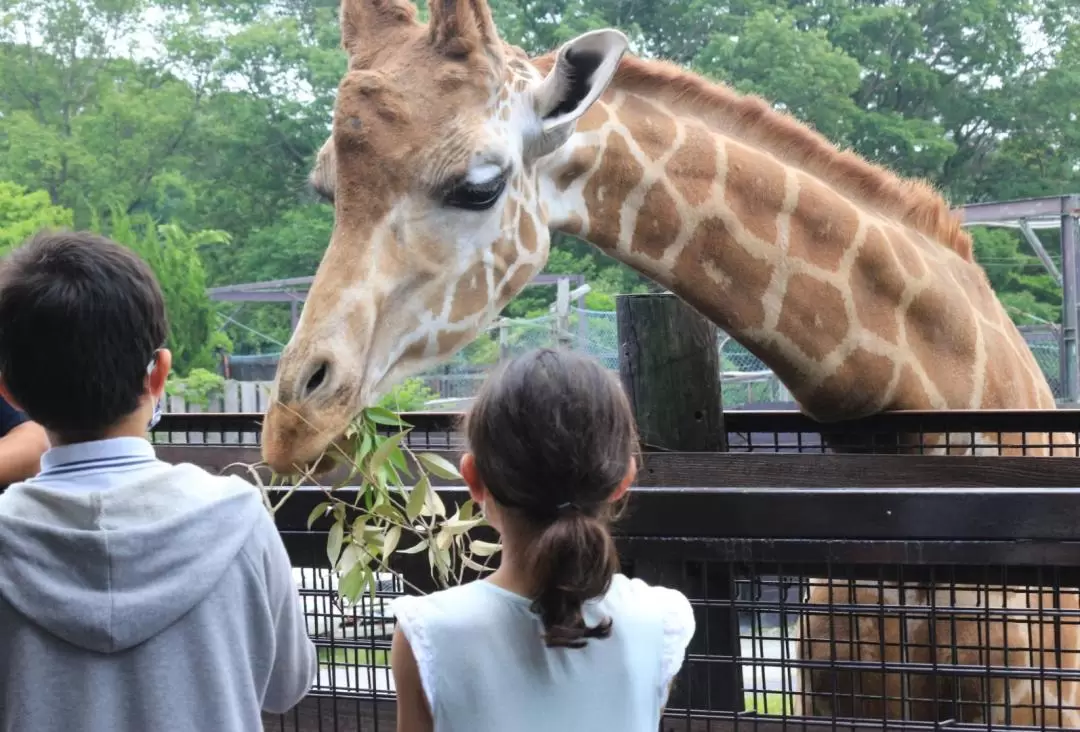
[[368, 530]]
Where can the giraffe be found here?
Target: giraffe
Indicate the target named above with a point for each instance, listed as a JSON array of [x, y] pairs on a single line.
[[452, 157]]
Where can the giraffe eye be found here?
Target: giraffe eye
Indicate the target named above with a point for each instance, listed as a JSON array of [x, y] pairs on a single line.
[[476, 196]]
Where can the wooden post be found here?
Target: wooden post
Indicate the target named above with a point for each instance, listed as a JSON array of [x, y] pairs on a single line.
[[669, 363]]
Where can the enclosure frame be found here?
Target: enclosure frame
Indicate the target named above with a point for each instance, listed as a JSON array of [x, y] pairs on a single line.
[[1051, 212]]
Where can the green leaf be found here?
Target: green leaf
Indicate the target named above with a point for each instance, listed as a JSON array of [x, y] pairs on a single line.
[[434, 506], [474, 565], [392, 475], [483, 548], [398, 459], [439, 465], [389, 511], [352, 556], [415, 548], [352, 584], [333, 542], [418, 498], [466, 511], [317, 512], [382, 452], [390, 542], [363, 449], [379, 415], [359, 524], [456, 526]]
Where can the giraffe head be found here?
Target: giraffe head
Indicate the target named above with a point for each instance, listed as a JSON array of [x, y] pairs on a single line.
[[432, 170]]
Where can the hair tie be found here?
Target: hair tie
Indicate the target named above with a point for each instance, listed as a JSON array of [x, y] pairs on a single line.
[[567, 507]]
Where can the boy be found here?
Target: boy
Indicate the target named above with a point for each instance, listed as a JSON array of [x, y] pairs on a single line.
[[134, 595]]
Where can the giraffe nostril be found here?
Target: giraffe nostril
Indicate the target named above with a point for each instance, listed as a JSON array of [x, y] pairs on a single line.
[[316, 379]]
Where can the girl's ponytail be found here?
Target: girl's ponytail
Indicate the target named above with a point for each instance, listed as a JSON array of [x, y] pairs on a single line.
[[572, 559], [553, 439]]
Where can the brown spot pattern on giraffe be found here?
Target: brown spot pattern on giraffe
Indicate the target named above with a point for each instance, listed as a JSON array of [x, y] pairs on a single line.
[[1002, 384], [877, 286], [692, 169], [712, 245], [448, 341], [580, 163], [618, 174], [823, 225], [657, 224], [593, 119], [415, 350], [574, 225], [505, 253], [941, 335], [972, 278], [527, 232], [812, 315], [516, 283], [835, 396], [652, 128], [910, 392], [754, 190], [907, 249], [471, 294]]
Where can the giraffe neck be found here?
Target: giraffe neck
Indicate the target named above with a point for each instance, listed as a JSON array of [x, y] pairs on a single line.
[[853, 308]]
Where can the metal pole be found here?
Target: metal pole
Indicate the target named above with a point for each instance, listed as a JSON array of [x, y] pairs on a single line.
[[1070, 268], [1040, 250]]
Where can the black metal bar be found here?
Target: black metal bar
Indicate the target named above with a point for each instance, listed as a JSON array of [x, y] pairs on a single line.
[[913, 514]]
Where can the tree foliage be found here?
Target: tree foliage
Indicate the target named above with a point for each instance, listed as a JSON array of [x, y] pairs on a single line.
[[24, 213], [207, 116], [174, 256]]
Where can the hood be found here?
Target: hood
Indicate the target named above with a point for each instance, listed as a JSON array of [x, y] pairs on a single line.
[[107, 570]]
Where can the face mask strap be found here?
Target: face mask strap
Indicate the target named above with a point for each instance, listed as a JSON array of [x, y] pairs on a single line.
[[156, 417]]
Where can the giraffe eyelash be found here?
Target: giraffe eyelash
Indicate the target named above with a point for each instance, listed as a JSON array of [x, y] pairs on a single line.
[[475, 196]]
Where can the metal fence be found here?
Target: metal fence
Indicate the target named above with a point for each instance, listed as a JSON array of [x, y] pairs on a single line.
[[882, 590]]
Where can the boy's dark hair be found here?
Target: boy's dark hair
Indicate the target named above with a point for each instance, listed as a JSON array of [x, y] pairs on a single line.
[[553, 434], [80, 320]]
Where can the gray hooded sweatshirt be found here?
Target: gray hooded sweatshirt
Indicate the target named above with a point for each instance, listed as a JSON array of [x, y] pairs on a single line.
[[162, 604]]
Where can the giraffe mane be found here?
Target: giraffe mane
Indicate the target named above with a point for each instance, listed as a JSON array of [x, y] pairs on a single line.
[[914, 202]]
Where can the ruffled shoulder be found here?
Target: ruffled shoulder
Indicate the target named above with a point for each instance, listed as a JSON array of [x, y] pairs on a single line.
[[678, 628], [409, 613]]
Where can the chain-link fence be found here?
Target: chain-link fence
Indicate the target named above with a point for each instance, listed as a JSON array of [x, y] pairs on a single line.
[[1045, 343], [747, 382]]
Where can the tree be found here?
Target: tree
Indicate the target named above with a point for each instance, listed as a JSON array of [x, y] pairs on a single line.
[[24, 213], [173, 255], [208, 116]]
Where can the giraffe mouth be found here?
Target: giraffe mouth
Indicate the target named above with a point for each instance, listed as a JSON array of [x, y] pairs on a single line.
[[299, 441]]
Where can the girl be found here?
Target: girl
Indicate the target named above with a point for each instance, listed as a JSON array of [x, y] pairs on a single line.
[[555, 638]]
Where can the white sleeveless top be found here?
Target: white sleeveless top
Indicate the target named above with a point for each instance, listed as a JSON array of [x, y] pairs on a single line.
[[484, 666]]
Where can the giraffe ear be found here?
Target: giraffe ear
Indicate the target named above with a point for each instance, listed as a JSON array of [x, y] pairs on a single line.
[[582, 71], [368, 25]]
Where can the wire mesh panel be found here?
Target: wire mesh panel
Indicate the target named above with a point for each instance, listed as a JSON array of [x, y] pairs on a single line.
[[880, 646], [814, 608], [954, 432], [879, 605], [1019, 432], [353, 689]]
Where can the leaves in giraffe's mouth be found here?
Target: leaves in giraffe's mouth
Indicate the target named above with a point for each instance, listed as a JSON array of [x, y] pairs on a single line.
[[367, 530]]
